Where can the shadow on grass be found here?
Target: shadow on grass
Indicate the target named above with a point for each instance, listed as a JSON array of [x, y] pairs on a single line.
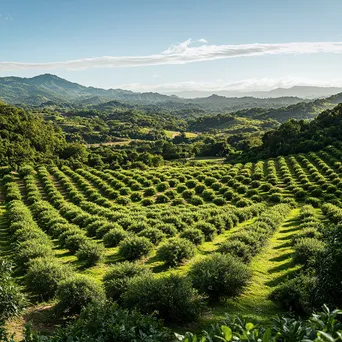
[[281, 279], [282, 267], [282, 257], [284, 245]]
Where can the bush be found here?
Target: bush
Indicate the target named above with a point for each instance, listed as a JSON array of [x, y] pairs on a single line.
[[220, 275], [116, 279], [32, 249], [73, 242], [208, 195], [307, 250], [147, 202], [276, 198], [208, 230], [153, 234], [113, 237], [107, 322], [196, 200], [219, 201], [162, 199], [90, 253], [237, 248], [75, 293], [296, 294], [163, 186], [136, 197], [44, 275], [12, 299], [194, 235], [176, 250], [149, 192], [187, 194], [173, 298], [178, 201], [135, 247]]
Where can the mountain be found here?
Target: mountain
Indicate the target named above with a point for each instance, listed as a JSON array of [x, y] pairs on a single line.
[[305, 92], [49, 88]]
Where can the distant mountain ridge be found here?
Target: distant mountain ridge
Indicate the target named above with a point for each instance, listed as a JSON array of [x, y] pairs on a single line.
[[49, 88]]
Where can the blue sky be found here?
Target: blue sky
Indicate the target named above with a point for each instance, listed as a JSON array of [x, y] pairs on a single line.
[[55, 32]]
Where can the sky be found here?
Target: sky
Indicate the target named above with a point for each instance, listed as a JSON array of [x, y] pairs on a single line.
[[174, 45]]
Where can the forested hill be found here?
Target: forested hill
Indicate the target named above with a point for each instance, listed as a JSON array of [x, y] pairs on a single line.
[[49, 88], [300, 136]]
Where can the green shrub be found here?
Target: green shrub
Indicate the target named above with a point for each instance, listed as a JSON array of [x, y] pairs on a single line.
[[187, 194], [135, 247], [113, 237], [153, 234], [12, 298], [194, 235], [107, 322], [307, 250], [180, 188], [196, 200], [199, 188], [208, 195], [220, 275], [237, 248], [147, 202], [178, 201], [136, 197], [116, 279], [296, 294], [173, 298], [162, 199], [168, 229], [76, 293], [90, 253], [73, 242], [176, 250], [44, 275], [276, 197], [122, 200], [207, 229], [150, 192], [219, 201], [32, 249], [163, 186]]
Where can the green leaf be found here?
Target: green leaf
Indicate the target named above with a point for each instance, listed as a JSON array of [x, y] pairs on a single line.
[[227, 332], [249, 326], [325, 337], [266, 337]]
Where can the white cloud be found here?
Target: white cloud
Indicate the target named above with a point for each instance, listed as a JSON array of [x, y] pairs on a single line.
[[246, 85], [183, 53]]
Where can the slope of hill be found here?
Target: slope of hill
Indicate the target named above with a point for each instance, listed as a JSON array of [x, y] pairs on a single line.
[[47, 87]]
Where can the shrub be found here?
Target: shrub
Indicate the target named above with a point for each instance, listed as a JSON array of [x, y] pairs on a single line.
[[125, 191], [178, 201], [208, 195], [220, 275], [76, 293], [147, 202], [168, 229], [73, 242], [135, 247], [153, 234], [196, 200], [136, 197], [116, 279], [307, 250], [123, 200], [199, 188], [113, 237], [237, 248], [108, 322], [219, 201], [163, 186], [187, 194], [44, 275], [31, 249], [194, 235], [276, 198], [172, 297], [296, 294], [208, 230], [180, 188], [176, 250], [90, 253], [162, 199], [12, 299], [149, 192]]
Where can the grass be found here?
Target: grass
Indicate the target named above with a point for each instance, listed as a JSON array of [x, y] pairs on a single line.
[[270, 268]]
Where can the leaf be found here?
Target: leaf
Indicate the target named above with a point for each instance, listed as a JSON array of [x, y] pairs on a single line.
[[227, 332], [249, 326], [266, 337], [325, 337]]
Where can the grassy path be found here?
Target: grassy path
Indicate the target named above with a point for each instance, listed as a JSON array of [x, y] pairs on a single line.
[[270, 268]]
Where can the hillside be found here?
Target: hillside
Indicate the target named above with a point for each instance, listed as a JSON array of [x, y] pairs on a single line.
[[45, 88]]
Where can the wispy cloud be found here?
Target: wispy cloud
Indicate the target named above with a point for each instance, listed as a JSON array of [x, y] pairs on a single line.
[[6, 17], [252, 84], [184, 53]]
